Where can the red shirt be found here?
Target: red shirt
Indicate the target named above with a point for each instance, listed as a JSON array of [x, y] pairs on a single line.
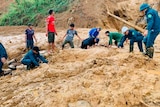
[[50, 23]]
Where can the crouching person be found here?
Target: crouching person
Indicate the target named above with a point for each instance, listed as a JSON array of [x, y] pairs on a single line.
[[133, 36], [33, 58], [87, 43], [3, 58]]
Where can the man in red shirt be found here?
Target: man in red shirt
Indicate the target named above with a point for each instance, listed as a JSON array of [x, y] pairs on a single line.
[[50, 30]]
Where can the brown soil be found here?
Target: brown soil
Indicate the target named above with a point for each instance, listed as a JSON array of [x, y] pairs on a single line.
[[4, 5], [100, 76]]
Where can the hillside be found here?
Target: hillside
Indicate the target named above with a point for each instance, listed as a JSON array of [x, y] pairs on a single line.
[[88, 13], [4, 5]]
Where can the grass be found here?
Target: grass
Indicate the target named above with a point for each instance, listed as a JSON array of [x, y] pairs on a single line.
[[29, 11]]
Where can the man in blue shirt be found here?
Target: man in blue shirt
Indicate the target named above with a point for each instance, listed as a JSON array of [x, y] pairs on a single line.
[[3, 58], [133, 36], [29, 37], [32, 58], [69, 36], [153, 28], [94, 32]]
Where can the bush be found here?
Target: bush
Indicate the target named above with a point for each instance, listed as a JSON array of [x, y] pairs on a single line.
[[28, 11]]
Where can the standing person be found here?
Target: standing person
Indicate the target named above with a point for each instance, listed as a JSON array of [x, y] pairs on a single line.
[[29, 37], [51, 31], [153, 28], [69, 36], [94, 32], [32, 58], [133, 36], [114, 36], [3, 58]]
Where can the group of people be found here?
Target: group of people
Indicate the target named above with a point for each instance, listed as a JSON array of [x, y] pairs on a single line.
[[33, 57]]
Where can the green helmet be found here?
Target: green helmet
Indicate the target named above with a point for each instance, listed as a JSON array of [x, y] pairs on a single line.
[[144, 6]]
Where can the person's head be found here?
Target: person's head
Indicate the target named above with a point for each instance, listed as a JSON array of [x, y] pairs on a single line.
[[51, 12], [107, 33], [72, 26], [35, 50], [98, 29], [30, 25], [143, 7], [125, 30]]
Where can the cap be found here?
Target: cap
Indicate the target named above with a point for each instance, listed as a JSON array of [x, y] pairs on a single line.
[[35, 48], [124, 29], [144, 6]]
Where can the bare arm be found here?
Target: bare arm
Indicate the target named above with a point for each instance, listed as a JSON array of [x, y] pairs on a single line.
[[79, 37], [35, 38], [63, 37]]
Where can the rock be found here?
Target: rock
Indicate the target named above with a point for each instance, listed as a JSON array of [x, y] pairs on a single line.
[[81, 103]]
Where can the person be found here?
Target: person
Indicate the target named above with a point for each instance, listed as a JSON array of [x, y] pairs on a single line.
[[94, 32], [152, 29], [114, 36], [69, 36], [3, 58], [133, 36], [51, 31], [87, 43], [33, 58], [29, 32]]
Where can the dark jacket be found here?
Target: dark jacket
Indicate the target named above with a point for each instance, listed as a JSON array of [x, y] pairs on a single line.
[[34, 58], [133, 36], [3, 52], [153, 20]]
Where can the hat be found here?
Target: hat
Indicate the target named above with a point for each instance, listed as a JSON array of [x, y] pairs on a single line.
[[144, 6], [124, 29], [35, 48]]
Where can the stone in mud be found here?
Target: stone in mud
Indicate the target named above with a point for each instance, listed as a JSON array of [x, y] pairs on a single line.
[[81, 103]]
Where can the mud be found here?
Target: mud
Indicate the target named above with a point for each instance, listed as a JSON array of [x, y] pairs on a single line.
[[97, 77]]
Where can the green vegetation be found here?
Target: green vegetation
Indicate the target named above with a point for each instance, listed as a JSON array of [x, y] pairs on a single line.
[[30, 11]]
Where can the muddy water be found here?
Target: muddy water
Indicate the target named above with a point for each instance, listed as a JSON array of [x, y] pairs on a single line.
[[100, 77]]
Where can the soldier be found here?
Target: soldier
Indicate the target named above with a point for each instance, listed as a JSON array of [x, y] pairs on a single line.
[[153, 28], [133, 36]]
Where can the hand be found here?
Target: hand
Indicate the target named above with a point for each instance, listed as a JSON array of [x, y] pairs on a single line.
[[3, 60], [56, 33], [46, 34], [109, 46], [145, 33]]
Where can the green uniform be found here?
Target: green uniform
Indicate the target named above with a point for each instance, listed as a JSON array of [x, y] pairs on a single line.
[[115, 36]]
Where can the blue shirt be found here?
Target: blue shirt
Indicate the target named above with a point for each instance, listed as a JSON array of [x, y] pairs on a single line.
[[153, 20], [33, 57], [70, 34], [29, 33], [3, 52], [93, 33]]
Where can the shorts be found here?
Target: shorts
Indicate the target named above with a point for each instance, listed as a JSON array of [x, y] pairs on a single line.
[[30, 44], [51, 37]]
